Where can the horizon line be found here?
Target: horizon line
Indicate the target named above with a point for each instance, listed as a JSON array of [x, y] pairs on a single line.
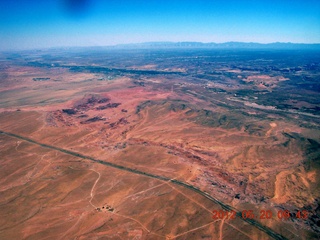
[[158, 42]]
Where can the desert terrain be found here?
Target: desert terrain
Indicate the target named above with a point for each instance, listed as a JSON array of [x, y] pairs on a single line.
[[148, 144]]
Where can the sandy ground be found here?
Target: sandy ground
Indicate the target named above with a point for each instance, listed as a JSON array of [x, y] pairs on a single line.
[[47, 194]]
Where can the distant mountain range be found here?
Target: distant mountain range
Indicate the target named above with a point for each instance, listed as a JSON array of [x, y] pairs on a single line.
[[226, 45]]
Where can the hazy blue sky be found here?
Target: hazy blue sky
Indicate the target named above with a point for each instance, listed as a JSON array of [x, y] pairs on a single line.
[[47, 23]]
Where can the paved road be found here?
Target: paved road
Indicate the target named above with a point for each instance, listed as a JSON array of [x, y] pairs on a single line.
[[252, 222]]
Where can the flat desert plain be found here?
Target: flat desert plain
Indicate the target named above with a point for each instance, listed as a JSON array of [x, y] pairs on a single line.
[[142, 150]]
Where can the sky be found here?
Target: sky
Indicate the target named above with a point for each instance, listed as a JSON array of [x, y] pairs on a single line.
[[30, 24]]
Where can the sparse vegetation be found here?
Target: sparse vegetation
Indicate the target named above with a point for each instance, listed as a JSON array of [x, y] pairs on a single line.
[[172, 133]]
